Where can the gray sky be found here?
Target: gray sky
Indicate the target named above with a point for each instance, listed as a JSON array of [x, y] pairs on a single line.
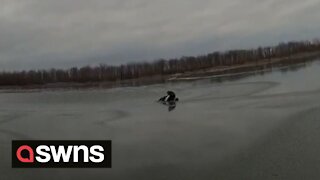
[[65, 33]]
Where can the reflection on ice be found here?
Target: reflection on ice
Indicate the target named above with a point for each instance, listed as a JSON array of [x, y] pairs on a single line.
[[218, 128]]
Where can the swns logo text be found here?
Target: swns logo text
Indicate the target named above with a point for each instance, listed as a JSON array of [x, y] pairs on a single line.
[[61, 154]]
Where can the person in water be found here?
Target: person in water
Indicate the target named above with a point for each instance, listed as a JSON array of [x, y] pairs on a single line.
[[170, 97]]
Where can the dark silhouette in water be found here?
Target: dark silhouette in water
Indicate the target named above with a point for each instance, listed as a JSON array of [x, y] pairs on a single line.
[[170, 100], [170, 97]]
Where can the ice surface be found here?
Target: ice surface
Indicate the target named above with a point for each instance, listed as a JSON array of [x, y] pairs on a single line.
[[259, 127]]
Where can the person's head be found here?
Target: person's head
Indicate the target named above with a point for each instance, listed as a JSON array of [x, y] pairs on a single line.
[[170, 93]]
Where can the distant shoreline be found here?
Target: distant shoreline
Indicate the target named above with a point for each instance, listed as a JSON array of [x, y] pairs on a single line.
[[228, 70], [219, 72], [266, 64]]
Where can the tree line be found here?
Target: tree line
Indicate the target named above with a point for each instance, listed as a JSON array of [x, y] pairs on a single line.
[[160, 67]]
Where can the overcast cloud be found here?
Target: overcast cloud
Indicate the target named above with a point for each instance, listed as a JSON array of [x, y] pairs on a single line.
[[65, 33]]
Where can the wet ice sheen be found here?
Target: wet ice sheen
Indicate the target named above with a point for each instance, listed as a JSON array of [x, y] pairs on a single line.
[[242, 129]]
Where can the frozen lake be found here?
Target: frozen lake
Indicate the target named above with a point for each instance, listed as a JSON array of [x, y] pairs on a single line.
[[259, 127]]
